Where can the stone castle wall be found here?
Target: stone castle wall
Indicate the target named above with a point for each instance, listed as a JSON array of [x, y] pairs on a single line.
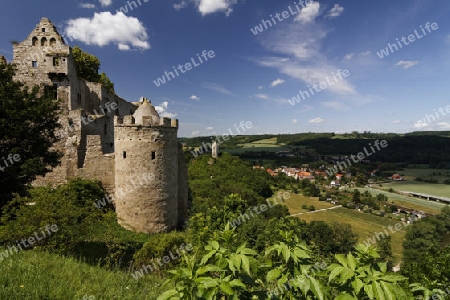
[[94, 146]]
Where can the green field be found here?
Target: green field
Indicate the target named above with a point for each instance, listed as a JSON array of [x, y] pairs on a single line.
[[296, 201], [441, 190], [426, 173], [411, 202], [364, 225], [269, 145]]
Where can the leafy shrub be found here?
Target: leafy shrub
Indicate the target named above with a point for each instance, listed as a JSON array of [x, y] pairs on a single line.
[[70, 207], [311, 208], [159, 245]]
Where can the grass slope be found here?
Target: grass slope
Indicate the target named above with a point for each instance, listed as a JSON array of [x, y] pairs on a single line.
[[40, 275], [364, 225]]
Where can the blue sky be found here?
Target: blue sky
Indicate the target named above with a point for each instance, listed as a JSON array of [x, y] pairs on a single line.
[[255, 77]]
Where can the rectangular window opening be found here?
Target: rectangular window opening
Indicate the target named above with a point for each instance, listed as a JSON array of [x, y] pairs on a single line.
[[56, 61], [153, 155], [34, 64], [43, 29], [124, 154]]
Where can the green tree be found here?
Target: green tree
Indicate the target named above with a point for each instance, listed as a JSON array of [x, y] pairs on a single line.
[[27, 131], [87, 66], [106, 82], [356, 196]]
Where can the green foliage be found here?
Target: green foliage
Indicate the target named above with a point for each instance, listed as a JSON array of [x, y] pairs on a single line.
[[69, 206], [160, 245], [215, 179], [427, 250], [329, 238], [357, 276], [87, 66], [285, 270], [83, 230], [27, 126], [106, 82]]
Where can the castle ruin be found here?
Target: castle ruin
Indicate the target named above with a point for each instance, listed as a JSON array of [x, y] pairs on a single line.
[[125, 145]]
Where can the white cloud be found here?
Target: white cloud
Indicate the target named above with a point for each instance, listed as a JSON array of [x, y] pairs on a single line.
[[209, 128], [123, 47], [262, 96], [420, 124], [260, 87], [217, 87], [162, 110], [195, 133], [444, 125], [294, 121], [302, 43], [309, 13], [181, 5], [406, 64], [105, 28], [211, 6], [277, 82], [336, 11], [105, 2], [195, 98], [365, 53], [87, 5], [349, 56], [316, 120], [396, 122], [335, 105]]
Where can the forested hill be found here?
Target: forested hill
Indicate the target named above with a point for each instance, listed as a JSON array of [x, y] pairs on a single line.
[[429, 147]]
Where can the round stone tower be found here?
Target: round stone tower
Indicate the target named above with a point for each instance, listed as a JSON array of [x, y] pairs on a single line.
[[146, 171]]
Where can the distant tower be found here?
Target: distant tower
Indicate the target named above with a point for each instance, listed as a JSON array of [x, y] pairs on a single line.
[[215, 149], [151, 192]]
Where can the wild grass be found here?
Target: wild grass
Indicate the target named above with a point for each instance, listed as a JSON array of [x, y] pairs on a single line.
[[40, 275]]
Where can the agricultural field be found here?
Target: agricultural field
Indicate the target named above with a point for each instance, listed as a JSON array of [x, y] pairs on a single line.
[[364, 225], [260, 145], [441, 190], [426, 173], [411, 202], [296, 201]]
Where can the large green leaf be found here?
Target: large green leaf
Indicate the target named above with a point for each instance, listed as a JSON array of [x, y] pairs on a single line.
[[273, 274], [170, 294], [316, 288], [378, 291], [351, 261], [341, 258], [226, 288], [345, 297], [245, 264]]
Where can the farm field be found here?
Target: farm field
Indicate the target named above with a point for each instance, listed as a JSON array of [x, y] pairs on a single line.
[[364, 225], [296, 201], [412, 202], [260, 145], [442, 190], [426, 173]]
